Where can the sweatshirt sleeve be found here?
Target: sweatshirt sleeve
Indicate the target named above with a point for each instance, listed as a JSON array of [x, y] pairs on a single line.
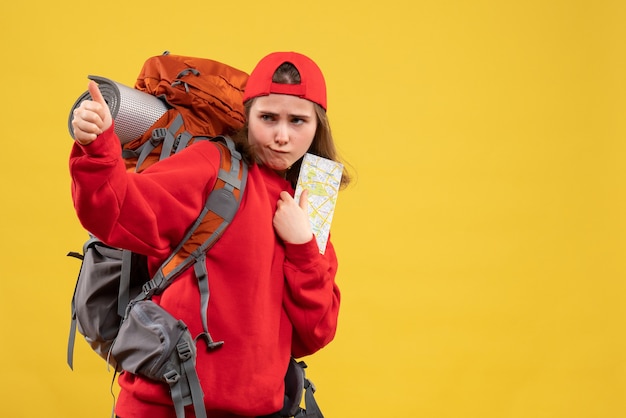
[[149, 212], [312, 297]]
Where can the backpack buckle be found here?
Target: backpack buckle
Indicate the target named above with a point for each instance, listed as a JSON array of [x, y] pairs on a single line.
[[158, 135], [184, 351], [148, 287], [211, 345], [171, 377]]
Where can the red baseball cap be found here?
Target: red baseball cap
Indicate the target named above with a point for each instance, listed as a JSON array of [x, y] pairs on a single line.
[[312, 85]]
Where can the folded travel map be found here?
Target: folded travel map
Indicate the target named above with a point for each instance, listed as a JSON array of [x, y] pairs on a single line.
[[321, 177]]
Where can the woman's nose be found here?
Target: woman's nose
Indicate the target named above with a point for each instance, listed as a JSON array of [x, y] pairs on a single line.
[[282, 134]]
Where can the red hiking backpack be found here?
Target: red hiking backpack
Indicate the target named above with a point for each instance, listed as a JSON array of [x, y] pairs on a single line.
[[204, 99], [176, 100]]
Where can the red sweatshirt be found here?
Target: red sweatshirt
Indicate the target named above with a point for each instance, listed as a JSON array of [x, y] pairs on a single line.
[[268, 299]]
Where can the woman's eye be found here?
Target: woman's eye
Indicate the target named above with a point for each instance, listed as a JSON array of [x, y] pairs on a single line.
[[266, 117]]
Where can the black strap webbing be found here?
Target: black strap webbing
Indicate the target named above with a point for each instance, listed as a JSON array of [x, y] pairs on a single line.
[[159, 135], [123, 294]]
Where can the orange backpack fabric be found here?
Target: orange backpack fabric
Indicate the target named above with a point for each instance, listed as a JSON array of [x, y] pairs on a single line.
[[207, 94]]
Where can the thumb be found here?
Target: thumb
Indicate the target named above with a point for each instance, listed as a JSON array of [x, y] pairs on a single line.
[[96, 94], [104, 112], [304, 201]]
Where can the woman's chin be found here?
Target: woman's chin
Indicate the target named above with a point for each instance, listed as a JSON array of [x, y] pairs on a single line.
[[278, 166], [280, 170]]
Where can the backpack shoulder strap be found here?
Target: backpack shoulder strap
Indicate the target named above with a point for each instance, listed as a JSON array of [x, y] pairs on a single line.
[[217, 214]]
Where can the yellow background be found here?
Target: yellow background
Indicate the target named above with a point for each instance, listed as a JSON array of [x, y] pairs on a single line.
[[481, 246]]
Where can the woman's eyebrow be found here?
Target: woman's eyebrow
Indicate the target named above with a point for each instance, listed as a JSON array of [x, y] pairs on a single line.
[[291, 115]]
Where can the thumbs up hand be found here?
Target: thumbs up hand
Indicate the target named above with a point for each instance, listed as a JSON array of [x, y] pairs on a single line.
[[91, 117]]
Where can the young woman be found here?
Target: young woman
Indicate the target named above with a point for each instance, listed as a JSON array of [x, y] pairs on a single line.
[[273, 294]]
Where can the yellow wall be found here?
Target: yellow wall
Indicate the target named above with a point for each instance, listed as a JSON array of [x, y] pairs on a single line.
[[482, 247]]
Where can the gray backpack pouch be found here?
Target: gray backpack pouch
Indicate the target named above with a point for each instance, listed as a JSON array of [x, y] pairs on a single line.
[[96, 306], [97, 316], [154, 344]]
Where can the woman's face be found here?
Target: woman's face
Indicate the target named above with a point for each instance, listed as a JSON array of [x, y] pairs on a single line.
[[281, 129]]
